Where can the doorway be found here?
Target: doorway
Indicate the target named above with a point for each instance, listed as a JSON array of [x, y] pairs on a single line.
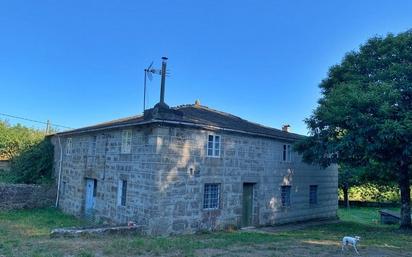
[[90, 196], [247, 205]]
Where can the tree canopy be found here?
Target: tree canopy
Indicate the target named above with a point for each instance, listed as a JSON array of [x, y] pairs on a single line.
[[30, 153], [364, 116], [34, 165], [15, 139]]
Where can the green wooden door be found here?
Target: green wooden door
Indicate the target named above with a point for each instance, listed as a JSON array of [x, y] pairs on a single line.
[[247, 204]]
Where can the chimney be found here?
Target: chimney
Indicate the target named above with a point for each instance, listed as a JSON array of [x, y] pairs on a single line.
[[286, 128], [163, 81], [197, 103], [161, 104]]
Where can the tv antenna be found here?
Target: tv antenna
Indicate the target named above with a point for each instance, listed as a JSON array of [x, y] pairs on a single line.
[[148, 74]]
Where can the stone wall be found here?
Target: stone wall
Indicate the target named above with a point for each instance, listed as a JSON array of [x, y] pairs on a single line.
[[166, 172], [98, 156], [19, 196], [243, 159], [4, 165]]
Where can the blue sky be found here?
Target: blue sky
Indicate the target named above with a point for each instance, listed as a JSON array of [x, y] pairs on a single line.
[[81, 62]]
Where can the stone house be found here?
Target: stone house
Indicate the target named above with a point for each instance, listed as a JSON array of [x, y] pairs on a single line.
[[189, 168]]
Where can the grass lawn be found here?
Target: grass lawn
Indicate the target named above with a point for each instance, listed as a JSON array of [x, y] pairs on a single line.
[[26, 233]]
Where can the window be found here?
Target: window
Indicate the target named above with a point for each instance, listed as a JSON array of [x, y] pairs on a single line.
[[63, 190], [313, 194], [287, 153], [94, 187], [69, 146], [285, 196], [121, 193], [211, 196], [126, 141], [92, 149], [213, 146]]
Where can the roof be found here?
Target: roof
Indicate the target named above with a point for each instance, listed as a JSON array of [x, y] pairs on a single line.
[[192, 115]]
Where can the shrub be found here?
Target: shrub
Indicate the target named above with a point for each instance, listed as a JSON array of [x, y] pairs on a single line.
[[33, 165], [30, 153], [16, 139], [373, 193], [6, 176]]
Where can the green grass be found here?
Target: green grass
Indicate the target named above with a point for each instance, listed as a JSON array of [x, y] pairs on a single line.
[[24, 227], [363, 222], [365, 216], [187, 244], [26, 233], [38, 222]]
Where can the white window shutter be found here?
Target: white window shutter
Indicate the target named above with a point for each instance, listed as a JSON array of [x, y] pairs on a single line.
[[126, 146]]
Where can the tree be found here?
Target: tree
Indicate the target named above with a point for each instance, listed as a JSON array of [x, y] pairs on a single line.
[[34, 165], [15, 139], [30, 153], [348, 177], [364, 116]]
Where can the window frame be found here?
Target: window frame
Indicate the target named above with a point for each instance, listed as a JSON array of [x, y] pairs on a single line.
[[216, 147], [94, 187], [69, 146], [287, 153], [313, 201], [93, 146], [63, 188], [121, 192], [209, 202], [126, 141], [285, 200]]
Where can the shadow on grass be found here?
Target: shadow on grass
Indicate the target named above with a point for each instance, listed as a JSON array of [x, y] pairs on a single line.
[[26, 233], [36, 222], [371, 235]]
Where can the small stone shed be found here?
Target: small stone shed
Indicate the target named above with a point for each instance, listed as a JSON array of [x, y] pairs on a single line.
[[4, 164], [189, 168]]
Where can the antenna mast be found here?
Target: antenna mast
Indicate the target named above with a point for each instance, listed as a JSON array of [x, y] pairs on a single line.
[[148, 75], [144, 90]]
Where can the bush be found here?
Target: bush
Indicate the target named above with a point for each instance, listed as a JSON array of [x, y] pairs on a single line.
[[6, 176], [372, 193], [30, 153], [16, 139], [33, 165]]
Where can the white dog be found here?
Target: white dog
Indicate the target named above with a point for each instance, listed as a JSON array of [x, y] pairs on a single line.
[[348, 240]]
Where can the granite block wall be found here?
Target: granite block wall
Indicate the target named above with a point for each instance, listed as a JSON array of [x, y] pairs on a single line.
[[98, 156], [4, 165], [185, 168], [19, 196], [168, 168]]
